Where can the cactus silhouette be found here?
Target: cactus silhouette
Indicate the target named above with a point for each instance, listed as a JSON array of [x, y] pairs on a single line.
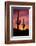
[[23, 24], [18, 21]]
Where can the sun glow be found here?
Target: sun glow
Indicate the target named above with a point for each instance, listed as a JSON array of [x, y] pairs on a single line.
[[21, 27], [26, 27]]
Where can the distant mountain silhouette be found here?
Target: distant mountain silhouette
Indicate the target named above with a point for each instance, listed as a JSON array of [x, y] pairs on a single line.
[[17, 32]]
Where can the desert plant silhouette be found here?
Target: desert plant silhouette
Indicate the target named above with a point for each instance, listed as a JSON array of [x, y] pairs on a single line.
[[18, 32]]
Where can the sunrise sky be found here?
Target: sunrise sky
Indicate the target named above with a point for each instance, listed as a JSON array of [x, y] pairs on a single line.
[[23, 14]]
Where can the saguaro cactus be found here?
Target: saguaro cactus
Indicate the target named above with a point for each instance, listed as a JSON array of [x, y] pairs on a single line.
[[23, 24], [18, 21]]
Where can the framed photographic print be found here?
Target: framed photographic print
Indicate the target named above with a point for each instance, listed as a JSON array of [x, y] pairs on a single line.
[[19, 22]]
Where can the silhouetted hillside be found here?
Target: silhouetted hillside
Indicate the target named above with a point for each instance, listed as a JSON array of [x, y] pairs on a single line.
[[20, 33]]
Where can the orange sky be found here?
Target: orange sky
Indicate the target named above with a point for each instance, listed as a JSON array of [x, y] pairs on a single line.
[[23, 14]]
